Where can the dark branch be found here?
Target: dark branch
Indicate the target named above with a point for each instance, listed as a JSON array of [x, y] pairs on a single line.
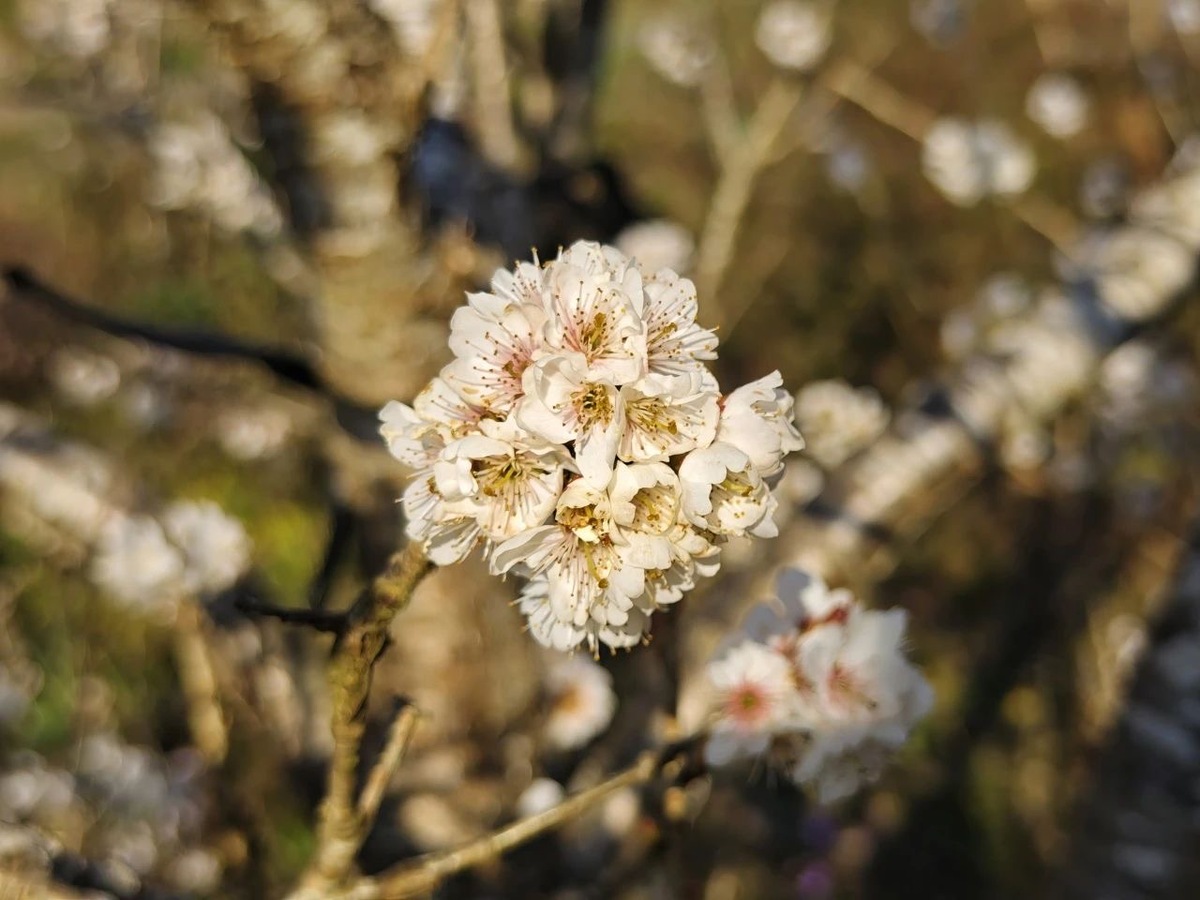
[[317, 619]]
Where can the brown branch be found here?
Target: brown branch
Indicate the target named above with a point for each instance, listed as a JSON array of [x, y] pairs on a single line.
[[341, 826], [400, 736], [422, 875]]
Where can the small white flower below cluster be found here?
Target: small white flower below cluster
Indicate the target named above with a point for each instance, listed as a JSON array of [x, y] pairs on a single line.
[[580, 439], [794, 34], [582, 701], [83, 378], [1058, 104], [968, 161], [819, 685], [838, 420]]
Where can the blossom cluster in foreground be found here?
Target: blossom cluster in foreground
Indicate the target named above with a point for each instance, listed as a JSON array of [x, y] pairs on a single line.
[[820, 685], [580, 439]]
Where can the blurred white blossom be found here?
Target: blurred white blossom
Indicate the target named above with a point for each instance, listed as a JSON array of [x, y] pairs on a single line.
[[1059, 104], [580, 438], [968, 161], [817, 684], [82, 377], [541, 795], [794, 34], [135, 563], [215, 546], [582, 702], [677, 50], [657, 244], [80, 28], [196, 165], [1184, 15], [248, 434], [838, 420]]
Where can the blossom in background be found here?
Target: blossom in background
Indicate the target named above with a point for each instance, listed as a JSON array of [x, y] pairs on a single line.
[[968, 161], [678, 51], [839, 420], [82, 377], [657, 244], [582, 701], [145, 564], [579, 438], [135, 563], [215, 546], [794, 34], [820, 685], [1058, 104]]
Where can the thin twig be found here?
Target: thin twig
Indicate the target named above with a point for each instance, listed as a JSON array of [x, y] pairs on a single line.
[[400, 736], [197, 675], [317, 619], [425, 873], [735, 186], [856, 84], [493, 107]]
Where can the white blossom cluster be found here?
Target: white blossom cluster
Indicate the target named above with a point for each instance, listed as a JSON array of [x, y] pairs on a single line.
[[196, 549], [579, 437], [196, 165], [820, 685], [968, 161]]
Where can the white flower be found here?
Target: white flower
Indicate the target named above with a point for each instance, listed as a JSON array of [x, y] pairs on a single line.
[[675, 343], [838, 420], [723, 492], [494, 340], [572, 436], [136, 564], [820, 683], [666, 415], [507, 480], [1058, 104], [967, 161], [678, 52], [794, 34], [592, 298], [582, 702], [215, 547], [567, 401], [758, 419], [753, 694]]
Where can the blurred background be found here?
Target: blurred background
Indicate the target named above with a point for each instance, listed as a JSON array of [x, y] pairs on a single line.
[[964, 230]]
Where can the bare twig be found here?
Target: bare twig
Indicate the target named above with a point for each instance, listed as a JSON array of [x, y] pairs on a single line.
[[317, 619], [206, 720], [425, 873], [493, 106], [856, 84], [400, 736], [742, 164]]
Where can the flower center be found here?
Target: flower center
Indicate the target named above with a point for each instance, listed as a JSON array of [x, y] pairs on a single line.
[[654, 509], [593, 405]]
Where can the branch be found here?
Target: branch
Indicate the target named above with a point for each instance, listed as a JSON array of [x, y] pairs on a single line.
[[400, 736], [317, 619], [1147, 789], [341, 825], [424, 874]]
